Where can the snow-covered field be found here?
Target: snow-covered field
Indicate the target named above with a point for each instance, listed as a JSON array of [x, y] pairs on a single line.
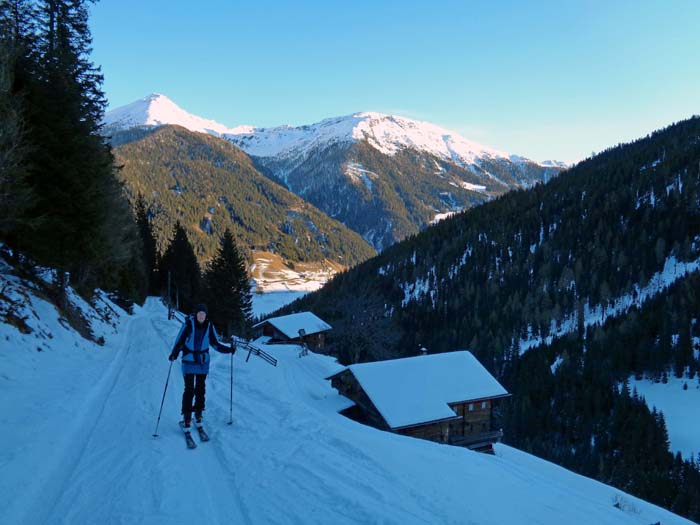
[[268, 302], [681, 410], [272, 274], [77, 443]]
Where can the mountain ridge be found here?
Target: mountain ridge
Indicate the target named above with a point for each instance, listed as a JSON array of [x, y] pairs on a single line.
[[385, 177], [208, 184], [386, 132]]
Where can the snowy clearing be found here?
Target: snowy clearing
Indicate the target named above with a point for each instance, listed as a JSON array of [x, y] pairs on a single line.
[[271, 273], [681, 410]]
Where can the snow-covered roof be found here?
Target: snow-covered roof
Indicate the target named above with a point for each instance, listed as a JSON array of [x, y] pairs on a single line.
[[290, 325], [416, 390]]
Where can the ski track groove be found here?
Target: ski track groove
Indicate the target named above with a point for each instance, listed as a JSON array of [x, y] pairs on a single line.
[[65, 465]]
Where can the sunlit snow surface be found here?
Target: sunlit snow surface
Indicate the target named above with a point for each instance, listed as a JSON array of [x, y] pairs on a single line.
[[159, 110], [387, 133], [77, 443]]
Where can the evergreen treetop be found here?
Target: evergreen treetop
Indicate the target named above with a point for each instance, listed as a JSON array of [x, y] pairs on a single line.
[[227, 289]]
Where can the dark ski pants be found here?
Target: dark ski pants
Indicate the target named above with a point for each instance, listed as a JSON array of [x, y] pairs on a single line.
[[194, 389]]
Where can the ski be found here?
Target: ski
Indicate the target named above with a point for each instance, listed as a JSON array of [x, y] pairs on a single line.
[[188, 436], [203, 436]]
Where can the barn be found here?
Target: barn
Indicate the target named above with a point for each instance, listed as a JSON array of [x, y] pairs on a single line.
[[448, 398], [302, 328]]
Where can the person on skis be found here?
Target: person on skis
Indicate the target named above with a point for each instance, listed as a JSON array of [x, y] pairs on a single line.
[[195, 339]]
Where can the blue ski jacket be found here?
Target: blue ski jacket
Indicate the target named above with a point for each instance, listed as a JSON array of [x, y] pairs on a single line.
[[194, 341]]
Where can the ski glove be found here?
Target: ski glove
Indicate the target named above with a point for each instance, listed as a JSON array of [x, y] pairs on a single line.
[[173, 355]]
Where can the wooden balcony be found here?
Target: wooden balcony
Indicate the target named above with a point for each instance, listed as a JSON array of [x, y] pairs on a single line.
[[477, 441]]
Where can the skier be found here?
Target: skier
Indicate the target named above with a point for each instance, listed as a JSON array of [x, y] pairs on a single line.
[[194, 340]]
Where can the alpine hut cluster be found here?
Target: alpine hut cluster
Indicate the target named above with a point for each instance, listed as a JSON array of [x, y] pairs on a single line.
[[447, 397]]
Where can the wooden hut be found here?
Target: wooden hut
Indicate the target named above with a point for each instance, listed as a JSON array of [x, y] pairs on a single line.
[[448, 398], [303, 328]]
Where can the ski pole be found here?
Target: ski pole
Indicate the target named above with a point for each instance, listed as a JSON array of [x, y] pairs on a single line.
[[155, 434], [230, 417]]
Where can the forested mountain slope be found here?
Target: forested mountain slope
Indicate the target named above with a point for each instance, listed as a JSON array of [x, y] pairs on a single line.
[[208, 185], [386, 198], [534, 262], [386, 176], [506, 270]]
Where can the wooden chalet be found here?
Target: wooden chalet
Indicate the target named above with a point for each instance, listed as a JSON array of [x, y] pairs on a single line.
[[303, 328], [448, 398]]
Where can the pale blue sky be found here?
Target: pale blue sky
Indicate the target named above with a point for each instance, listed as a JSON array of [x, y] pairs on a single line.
[[549, 79]]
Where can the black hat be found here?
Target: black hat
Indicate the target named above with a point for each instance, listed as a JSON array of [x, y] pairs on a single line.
[[201, 308]]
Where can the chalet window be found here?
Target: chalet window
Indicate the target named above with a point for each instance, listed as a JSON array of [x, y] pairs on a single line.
[[471, 407], [483, 405]]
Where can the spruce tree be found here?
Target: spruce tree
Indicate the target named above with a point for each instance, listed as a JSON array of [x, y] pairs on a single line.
[[14, 193], [148, 246], [85, 227], [179, 265], [15, 53], [227, 289]]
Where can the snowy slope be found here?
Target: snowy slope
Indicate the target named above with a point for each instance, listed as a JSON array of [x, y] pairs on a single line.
[[81, 451], [158, 110]]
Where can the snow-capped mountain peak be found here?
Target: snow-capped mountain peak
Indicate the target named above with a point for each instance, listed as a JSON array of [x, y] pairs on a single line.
[[387, 133], [158, 110]]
